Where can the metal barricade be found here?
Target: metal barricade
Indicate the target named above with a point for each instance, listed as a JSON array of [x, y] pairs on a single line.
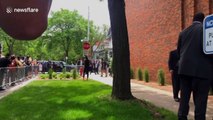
[[3, 72], [12, 75]]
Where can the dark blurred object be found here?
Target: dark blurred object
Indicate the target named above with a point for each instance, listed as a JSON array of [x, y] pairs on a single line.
[[1, 47], [24, 26], [57, 66]]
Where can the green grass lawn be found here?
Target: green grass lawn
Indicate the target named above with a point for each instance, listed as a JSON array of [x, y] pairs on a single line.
[[73, 100]]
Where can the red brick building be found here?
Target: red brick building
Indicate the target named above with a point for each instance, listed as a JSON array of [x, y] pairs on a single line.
[[154, 26]]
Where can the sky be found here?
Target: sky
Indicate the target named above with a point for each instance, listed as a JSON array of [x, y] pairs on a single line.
[[98, 10]]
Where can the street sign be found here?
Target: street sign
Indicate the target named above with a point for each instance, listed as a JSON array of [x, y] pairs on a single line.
[[86, 45], [208, 35]]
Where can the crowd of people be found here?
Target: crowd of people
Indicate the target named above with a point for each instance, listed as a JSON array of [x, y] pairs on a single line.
[[14, 68], [194, 67], [96, 66], [14, 61]]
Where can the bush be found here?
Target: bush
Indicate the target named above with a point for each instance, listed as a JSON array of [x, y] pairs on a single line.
[[132, 73], [161, 77], [146, 75], [50, 73], [140, 74], [54, 75], [61, 75], [64, 71], [74, 74], [43, 76], [68, 75]]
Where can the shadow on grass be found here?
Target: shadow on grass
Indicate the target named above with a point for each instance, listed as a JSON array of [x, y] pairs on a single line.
[[69, 100]]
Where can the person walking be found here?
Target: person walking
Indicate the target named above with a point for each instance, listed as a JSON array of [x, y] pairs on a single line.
[[86, 67], [173, 68], [195, 70]]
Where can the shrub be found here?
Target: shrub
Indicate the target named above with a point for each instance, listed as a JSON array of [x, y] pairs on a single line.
[[140, 74], [43, 76], [54, 75], [68, 75], [74, 74], [50, 73], [146, 75], [132, 73], [61, 75], [64, 70], [161, 77]]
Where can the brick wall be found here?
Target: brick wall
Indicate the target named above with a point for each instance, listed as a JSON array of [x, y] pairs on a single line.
[[154, 26], [202, 6], [189, 11]]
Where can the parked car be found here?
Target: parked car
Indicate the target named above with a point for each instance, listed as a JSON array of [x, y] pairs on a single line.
[[57, 66]]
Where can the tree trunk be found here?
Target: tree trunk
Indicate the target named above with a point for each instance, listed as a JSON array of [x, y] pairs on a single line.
[[11, 49], [10, 44], [121, 56], [66, 53]]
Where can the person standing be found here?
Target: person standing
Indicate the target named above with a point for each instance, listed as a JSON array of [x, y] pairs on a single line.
[[103, 67], [173, 68], [86, 67], [13, 70], [4, 63], [111, 68], [96, 67], [195, 69]]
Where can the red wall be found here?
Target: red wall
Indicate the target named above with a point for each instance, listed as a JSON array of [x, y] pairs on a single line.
[[154, 26]]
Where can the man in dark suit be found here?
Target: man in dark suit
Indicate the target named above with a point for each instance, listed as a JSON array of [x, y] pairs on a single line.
[[173, 68], [195, 69]]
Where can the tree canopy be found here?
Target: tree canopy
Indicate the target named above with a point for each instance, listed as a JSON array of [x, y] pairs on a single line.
[[62, 39]]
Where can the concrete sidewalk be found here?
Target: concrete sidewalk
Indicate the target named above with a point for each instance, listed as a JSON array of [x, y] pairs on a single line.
[[157, 97]]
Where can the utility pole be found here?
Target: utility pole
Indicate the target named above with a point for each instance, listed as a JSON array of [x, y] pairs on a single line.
[[88, 29]]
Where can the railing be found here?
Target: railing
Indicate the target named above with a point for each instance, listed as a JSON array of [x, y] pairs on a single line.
[[11, 75]]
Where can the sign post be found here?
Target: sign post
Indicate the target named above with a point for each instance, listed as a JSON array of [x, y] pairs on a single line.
[[86, 47], [208, 35]]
